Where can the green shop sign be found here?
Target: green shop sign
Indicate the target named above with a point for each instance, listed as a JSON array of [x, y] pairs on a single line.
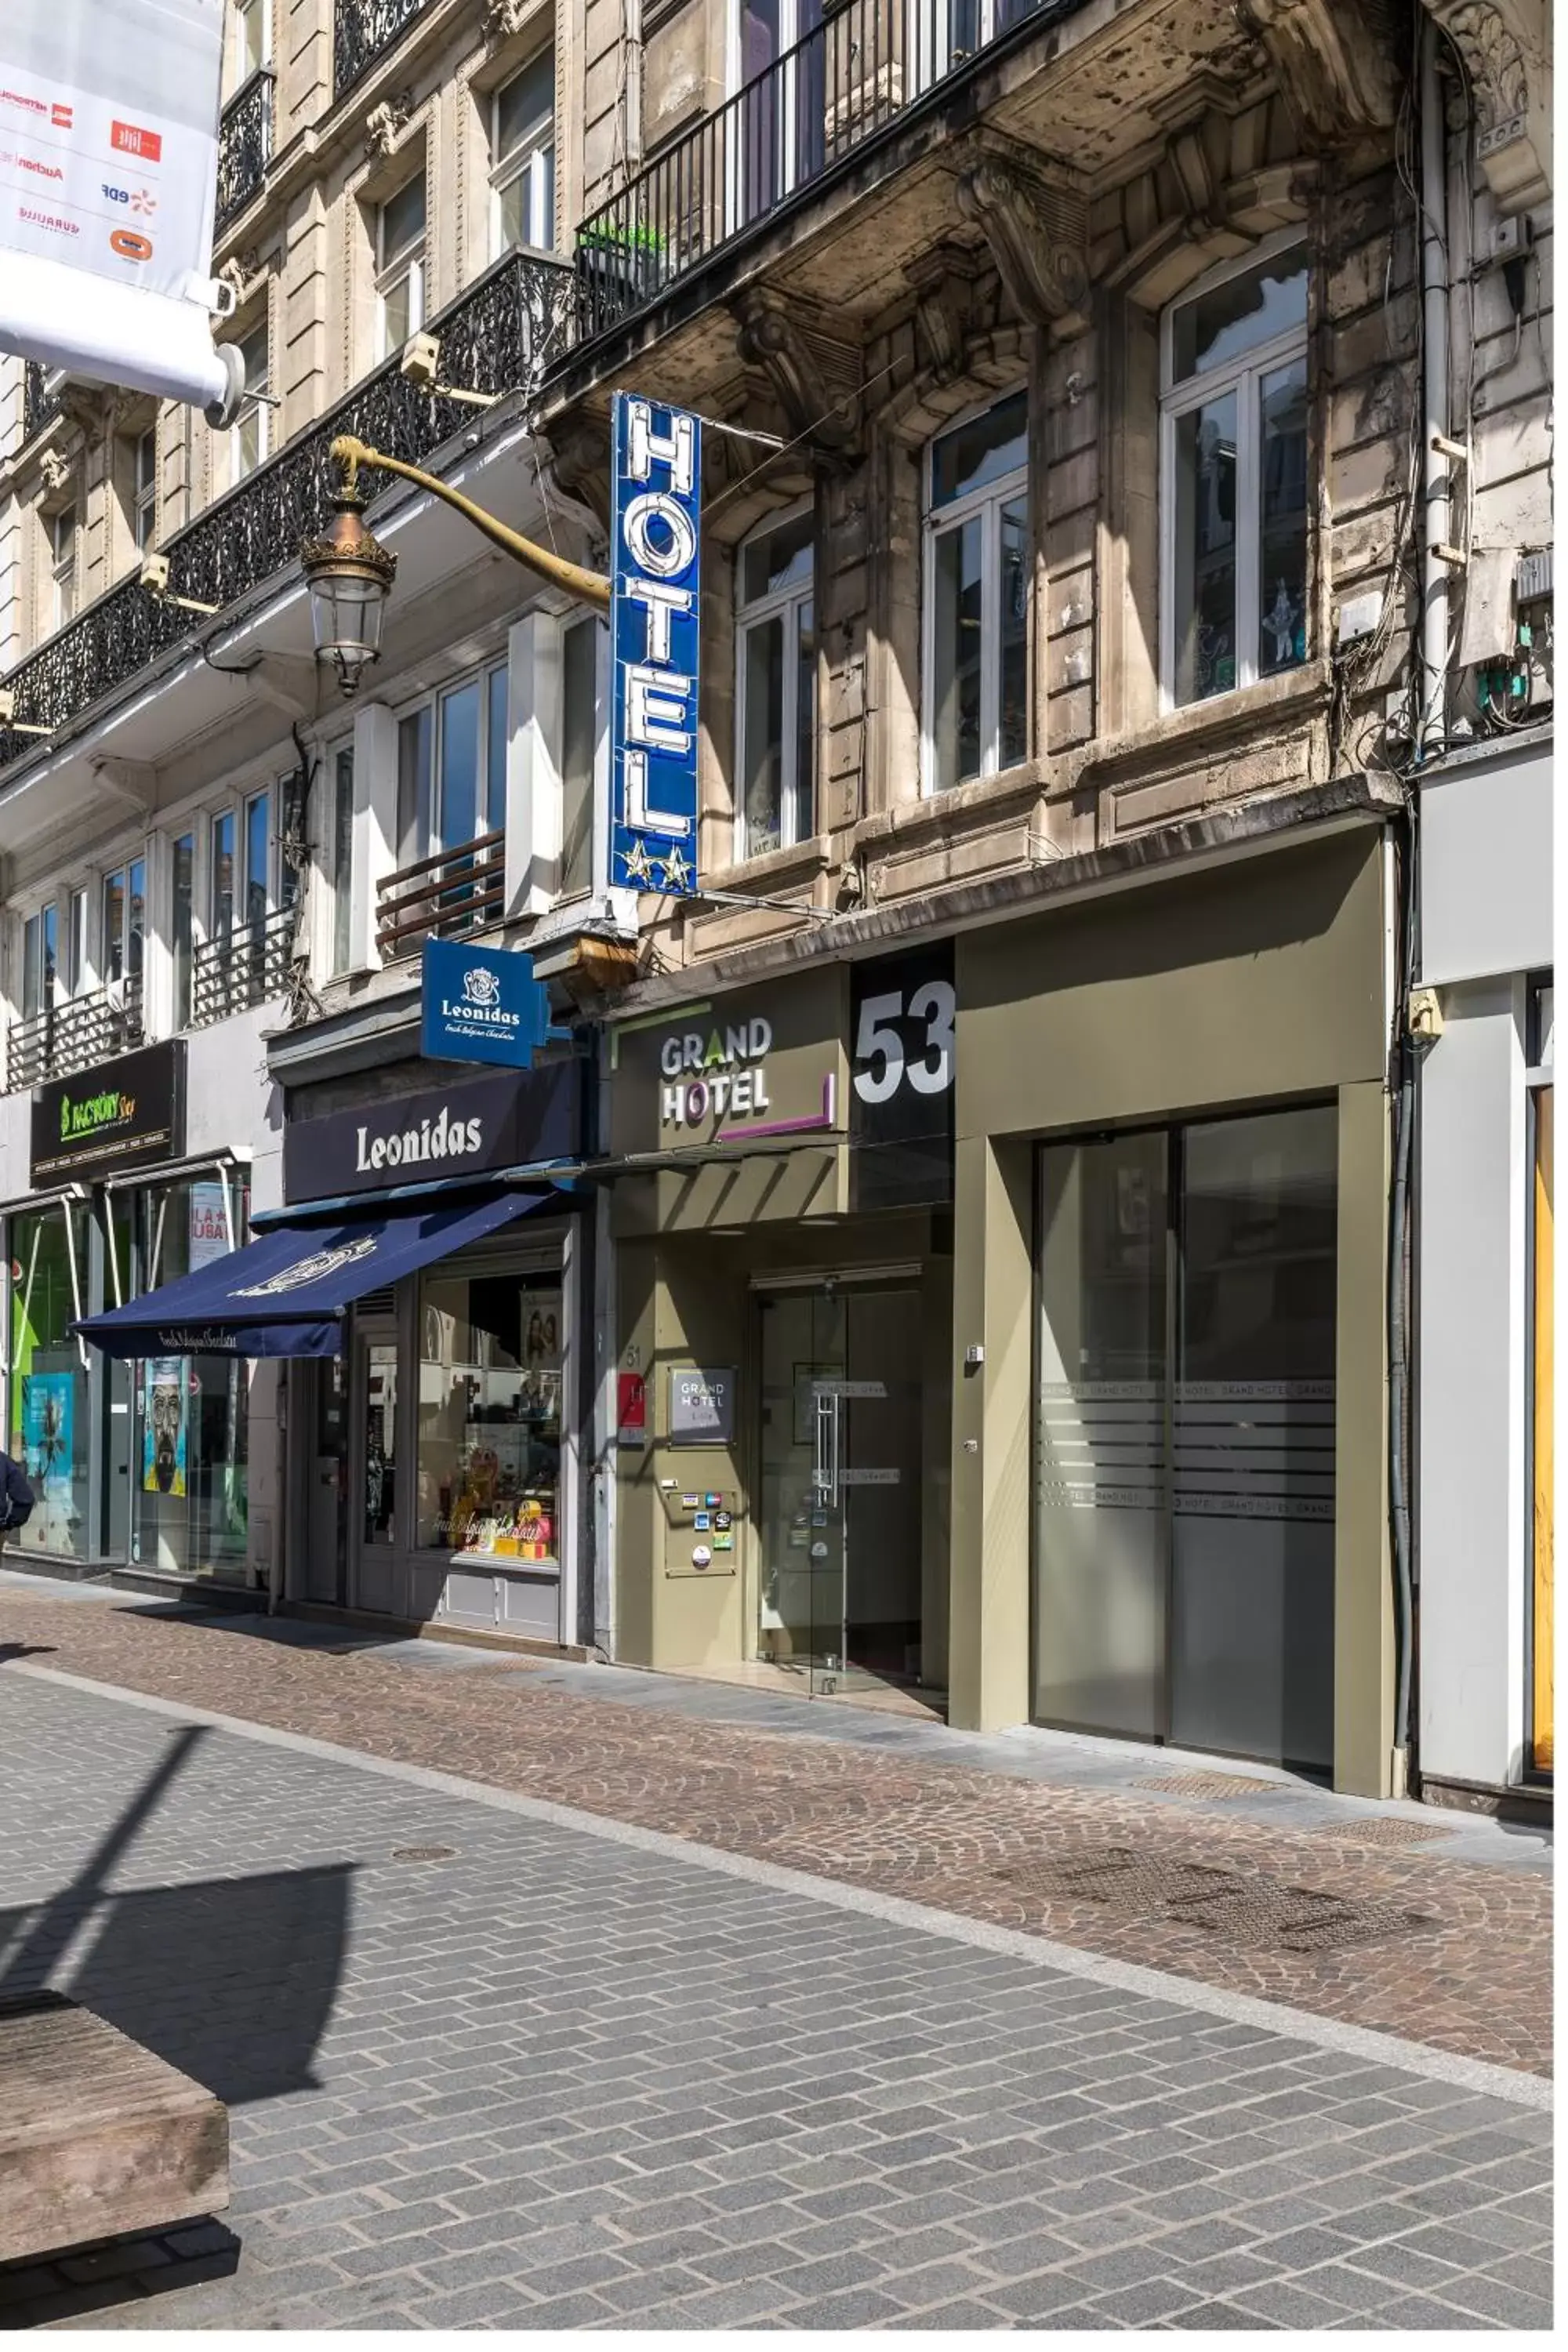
[[128, 1114]]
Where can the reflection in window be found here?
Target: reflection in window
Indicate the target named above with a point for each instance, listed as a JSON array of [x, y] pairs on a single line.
[[183, 857], [1235, 480], [522, 144], [977, 574], [489, 1415], [579, 748], [777, 696], [190, 1453]]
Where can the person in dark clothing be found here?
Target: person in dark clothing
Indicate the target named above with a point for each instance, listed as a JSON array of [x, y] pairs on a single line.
[[16, 1497]]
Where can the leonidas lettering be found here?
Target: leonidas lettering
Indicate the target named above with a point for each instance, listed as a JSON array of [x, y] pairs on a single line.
[[443, 1137]]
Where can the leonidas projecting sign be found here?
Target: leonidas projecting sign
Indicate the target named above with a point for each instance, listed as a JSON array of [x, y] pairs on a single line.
[[109, 127]]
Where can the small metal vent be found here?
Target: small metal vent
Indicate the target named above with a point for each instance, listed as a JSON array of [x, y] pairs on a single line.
[[1381, 1831], [423, 1853], [376, 1302], [1257, 1912], [1533, 581]]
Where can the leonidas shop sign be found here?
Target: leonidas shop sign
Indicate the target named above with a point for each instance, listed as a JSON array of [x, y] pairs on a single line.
[[129, 1113], [446, 1133], [753, 1065]]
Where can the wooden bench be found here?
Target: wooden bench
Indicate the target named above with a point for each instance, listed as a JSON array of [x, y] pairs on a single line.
[[98, 2139]]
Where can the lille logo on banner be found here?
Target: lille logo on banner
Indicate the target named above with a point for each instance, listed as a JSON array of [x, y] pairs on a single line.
[[654, 633]]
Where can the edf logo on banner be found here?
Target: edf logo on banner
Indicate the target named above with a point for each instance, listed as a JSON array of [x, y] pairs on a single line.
[[654, 627]]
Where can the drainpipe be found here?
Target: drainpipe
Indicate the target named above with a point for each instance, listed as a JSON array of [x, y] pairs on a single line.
[[1431, 732]]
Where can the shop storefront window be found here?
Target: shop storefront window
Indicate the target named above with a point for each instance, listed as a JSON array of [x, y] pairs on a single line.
[[1541, 1370], [489, 1415], [190, 1455], [50, 1412]]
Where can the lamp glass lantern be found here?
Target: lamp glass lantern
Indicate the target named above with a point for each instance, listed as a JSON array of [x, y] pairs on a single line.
[[350, 576]]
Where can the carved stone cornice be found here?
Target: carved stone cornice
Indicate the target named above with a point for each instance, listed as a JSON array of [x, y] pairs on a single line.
[[577, 455], [1037, 230], [942, 281], [1504, 45], [1336, 63], [814, 378]]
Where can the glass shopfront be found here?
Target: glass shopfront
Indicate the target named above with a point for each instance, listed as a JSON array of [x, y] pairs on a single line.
[[491, 1361], [145, 1463]]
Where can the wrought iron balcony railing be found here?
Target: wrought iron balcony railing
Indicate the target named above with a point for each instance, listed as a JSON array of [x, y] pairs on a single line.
[[40, 405], [242, 968], [361, 29], [244, 145], [498, 337], [445, 897], [852, 76], [74, 1035]]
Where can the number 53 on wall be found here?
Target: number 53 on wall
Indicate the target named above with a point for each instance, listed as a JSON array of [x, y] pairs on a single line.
[[905, 1036]]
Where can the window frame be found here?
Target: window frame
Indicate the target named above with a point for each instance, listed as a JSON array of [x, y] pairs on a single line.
[[406, 265], [255, 408], [63, 568], [144, 494], [788, 603], [122, 870], [1242, 375], [937, 522], [434, 700], [40, 961], [523, 161], [243, 13]]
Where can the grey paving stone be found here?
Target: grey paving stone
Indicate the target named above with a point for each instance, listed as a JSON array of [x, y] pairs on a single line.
[[1289, 2303], [932, 2283], [1493, 2299], [861, 2307], [960, 2318], [1027, 2300], [1148, 2305]]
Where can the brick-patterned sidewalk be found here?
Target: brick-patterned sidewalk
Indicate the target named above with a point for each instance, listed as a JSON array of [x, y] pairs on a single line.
[[1389, 1937]]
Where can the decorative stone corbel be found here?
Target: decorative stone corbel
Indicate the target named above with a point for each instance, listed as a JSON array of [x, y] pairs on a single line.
[[942, 280], [504, 17], [821, 403], [55, 469], [236, 273], [576, 458], [133, 782], [1504, 47], [1337, 65], [384, 123], [1037, 231]]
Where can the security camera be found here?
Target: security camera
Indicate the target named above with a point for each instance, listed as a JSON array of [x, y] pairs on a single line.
[[420, 363], [155, 574]]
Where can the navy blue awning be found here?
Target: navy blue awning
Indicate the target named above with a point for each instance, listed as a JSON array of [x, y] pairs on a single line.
[[284, 1295]]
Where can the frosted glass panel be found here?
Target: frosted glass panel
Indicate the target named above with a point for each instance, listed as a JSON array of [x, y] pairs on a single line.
[[1099, 1604]]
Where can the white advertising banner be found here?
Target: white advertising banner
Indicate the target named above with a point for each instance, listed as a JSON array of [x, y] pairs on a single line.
[[109, 128]]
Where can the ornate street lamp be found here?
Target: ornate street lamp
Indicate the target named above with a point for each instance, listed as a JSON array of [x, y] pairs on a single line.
[[350, 573]]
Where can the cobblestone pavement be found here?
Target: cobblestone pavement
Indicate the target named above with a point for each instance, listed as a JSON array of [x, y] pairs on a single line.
[[1313, 1903], [488, 2068]]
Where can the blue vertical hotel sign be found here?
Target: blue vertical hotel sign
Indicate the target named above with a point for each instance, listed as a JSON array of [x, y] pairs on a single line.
[[654, 622]]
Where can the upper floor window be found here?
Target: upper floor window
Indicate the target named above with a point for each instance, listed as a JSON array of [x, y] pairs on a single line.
[[183, 879], [451, 768], [250, 432], [62, 566], [584, 646], [75, 975], [342, 837], [39, 947], [221, 875], [144, 488], [523, 151], [775, 695], [400, 264], [1234, 478], [977, 596], [124, 920], [248, 33]]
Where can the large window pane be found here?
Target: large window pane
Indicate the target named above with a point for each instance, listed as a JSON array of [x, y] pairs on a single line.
[[414, 748], [1012, 636], [1239, 315], [1100, 1484], [580, 654], [761, 749], [1541, 1745], [525, 106], [258, 842], [495, 751], [1252, 1595], [50, 1416], [223, 875], [190, 1459], [184, 859], [460, 765], [956, 654], [779, 560], [981, 451], [114, 925], [343, 857], [1282, 536], [489, 1415], [136, 917], [804, 814], [1204, 553], [32, 966]]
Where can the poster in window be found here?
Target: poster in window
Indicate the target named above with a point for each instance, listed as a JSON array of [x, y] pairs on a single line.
[[164, 1425], [209, 1226], [49, 1404]]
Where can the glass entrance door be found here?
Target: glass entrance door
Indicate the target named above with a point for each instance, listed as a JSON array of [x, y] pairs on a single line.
[[840, 1520]]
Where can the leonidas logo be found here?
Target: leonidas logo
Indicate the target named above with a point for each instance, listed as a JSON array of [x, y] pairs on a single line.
[[131, 245], [442, 1138], [129, 139]]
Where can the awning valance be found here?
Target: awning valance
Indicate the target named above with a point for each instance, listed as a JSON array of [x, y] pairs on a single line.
[[285, 1293]]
